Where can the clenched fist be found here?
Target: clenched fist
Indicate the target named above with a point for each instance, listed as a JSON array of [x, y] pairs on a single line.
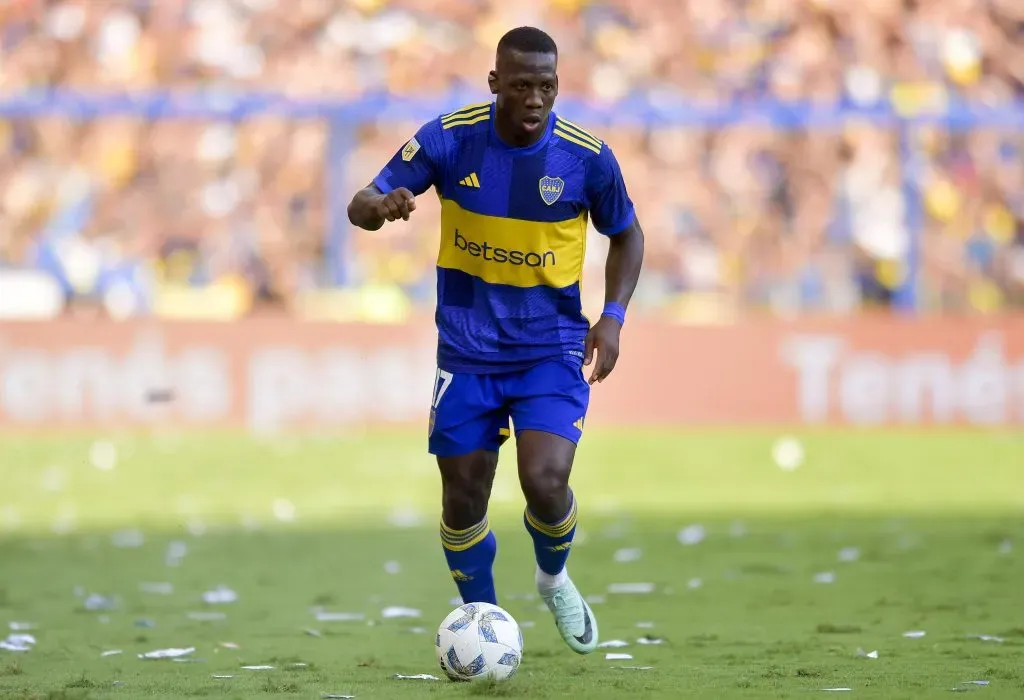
[[396, 204]]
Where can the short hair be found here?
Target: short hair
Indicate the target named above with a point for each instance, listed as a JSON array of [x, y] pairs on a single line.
[[527, 40]]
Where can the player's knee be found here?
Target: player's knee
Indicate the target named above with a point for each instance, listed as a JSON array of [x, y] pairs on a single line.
[[466, 489], [464, 503], [546, 488]]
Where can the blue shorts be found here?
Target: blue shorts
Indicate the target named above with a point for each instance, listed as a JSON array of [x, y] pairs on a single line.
[[471, 412]]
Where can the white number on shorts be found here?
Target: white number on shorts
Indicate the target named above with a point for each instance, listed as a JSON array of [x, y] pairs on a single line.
[[442, 381]]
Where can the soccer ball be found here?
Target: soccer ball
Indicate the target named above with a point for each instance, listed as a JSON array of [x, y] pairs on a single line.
[[479, 641]]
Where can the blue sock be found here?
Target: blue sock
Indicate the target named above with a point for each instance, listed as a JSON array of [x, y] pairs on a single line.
[[551, 541], [470, 554]]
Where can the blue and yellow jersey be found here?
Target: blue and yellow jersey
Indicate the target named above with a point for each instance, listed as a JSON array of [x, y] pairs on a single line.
[[513, 234]]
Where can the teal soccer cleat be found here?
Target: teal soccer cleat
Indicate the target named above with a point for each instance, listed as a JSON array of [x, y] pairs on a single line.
[[576, 623]]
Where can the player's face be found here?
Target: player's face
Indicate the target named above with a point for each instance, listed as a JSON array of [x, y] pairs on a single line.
[[526, 85]]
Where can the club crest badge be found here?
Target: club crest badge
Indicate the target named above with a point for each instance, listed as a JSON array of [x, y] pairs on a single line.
[[551, 189]]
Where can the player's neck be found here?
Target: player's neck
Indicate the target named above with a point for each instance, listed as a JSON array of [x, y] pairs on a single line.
[[516, 138]]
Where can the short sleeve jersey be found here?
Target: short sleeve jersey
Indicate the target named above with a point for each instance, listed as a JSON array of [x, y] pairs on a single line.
[[513, 234]]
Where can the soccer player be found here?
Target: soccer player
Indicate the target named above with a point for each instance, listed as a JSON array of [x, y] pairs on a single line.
[[517, 186]]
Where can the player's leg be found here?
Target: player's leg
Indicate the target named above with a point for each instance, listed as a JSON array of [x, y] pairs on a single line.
[[467, 426], [548, 407], [469, 545], [545, 462]]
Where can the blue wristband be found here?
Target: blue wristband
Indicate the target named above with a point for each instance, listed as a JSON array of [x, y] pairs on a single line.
[[616, 311]]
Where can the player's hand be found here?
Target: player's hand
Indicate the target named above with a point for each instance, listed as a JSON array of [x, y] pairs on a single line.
[[396, 204], [603, 338]]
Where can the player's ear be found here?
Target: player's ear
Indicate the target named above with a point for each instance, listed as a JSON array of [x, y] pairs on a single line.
[[492, 82]]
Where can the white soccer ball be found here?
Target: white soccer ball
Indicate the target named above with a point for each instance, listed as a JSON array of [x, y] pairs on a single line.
[[479, 641]]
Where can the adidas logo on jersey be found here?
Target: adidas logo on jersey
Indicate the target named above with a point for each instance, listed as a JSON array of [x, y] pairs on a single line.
[[470, 180]]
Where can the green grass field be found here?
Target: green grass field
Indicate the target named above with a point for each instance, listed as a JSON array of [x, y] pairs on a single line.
[[908, 531]]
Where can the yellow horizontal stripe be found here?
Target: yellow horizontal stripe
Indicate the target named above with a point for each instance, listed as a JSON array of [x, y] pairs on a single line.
[[458, 545], [463, 547], [465, 122], [559, 529], [504, 432], [467, 110], [516, 252], [578, 130], [458, 533], [463, 543], [579, 142]]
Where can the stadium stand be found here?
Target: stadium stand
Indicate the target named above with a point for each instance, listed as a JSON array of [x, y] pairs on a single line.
[[190, 214]]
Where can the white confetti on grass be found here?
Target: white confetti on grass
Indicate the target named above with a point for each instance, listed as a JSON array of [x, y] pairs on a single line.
[[257, 668], [103, 455], [788, 453], [986, 638], [325, 616], [18, 642], [825, 577], [626, 588], [284, 510], [867, 654], [650, 641], [416, 677], [613, 644], [691, 535], [220, 595], [628, 554], [618, 657], [397, 611], [175, 554], [914, 634], [95, 601], [170, 653], [849, 554]]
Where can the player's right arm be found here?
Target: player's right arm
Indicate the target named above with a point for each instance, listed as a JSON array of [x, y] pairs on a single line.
[[409, 173]]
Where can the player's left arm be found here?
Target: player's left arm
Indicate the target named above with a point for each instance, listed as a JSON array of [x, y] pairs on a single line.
[[613, 215]]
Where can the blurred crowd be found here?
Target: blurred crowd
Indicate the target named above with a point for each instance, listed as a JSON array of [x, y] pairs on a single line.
[[198, 216]]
